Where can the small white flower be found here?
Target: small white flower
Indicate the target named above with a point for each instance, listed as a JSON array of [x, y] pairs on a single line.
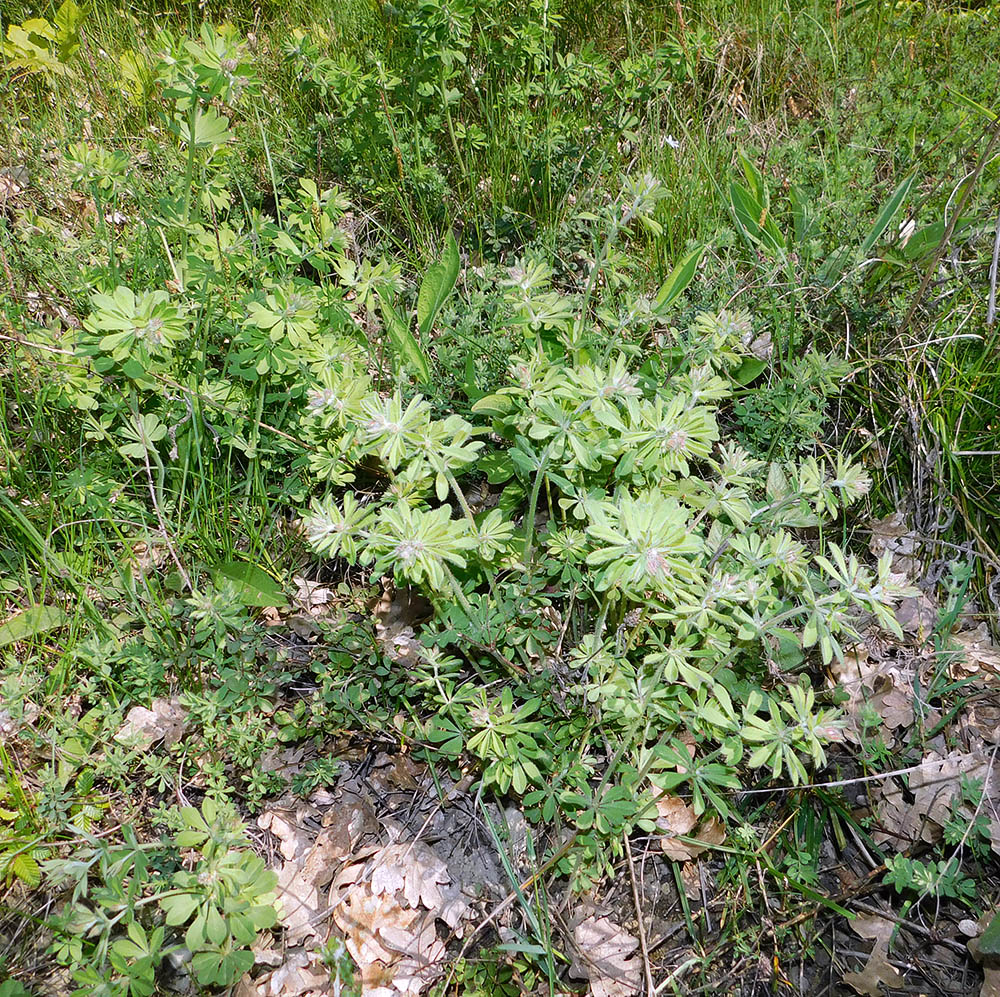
[[671, 141]]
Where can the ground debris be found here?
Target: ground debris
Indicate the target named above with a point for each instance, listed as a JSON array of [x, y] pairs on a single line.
[[877, 970], [604, 957], [934, 792], [165, 721]]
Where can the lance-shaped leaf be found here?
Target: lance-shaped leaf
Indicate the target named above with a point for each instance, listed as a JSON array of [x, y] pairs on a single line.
[[403, 341], [680, 277], [437, 284]]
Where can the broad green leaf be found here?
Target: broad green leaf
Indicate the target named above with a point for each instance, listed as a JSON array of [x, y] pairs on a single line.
[[25, 868], [33, 622], [803, 217], [498, 467], [437, 284], [753, 177], [493, 405], [68, 19], [209, 967], [680, 277], [403, 342], [11, 988], [254, 586], [750, 370], [886, 215], [210, 129], [135, 74], [179, 908], [927, 239], [754, 219], [215, 926]]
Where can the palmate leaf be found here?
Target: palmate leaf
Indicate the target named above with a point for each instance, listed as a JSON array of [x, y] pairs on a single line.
[[210, 129]]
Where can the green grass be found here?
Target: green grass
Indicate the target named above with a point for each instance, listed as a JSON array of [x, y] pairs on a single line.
[[516, 126]]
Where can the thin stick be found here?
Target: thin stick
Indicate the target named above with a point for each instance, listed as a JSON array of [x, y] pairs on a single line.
[[677, 973], [650, 986], [991, 305], [949, 230]]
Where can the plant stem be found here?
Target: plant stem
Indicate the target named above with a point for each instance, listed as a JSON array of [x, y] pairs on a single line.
[[451, 126], [188, 183]]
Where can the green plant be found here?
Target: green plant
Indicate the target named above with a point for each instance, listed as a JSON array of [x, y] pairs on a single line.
[[683, 548], [38, 46], [943, 878], [786, 416], [107, 934]]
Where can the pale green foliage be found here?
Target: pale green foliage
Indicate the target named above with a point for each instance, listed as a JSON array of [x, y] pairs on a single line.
[[220, 899], [131, 326], [43, 47], [685, 541], [792, 729]]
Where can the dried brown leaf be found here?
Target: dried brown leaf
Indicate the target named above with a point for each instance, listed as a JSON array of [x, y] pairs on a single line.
[[917, 615], [691, 878], [894, 706], [313, 598], [893, 535], [935, 788], [396, 948], [603, 956], [300, 974], [877, 970], [871, 926], [991, 982], [165, 721], [979, 656], [676, 819], [311, 862], [396, 615]]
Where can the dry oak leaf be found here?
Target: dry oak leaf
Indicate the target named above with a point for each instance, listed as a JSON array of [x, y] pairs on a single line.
[[875, 928], [603, 956], [312, 597], [691, 878], [301, 974], [979, 655], [310, 862], [396, 615], [388, 911], [876, 970], [891, 534], [676, 819], [935, 786], [416, 873], [881, 685], [165, 722], [917, 615], [895, 706], [396, 949]]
